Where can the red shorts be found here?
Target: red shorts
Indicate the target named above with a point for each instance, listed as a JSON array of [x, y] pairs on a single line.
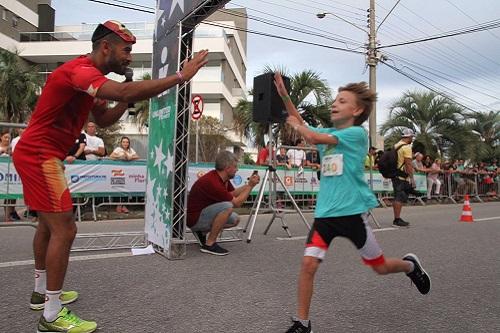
[[45, 188]]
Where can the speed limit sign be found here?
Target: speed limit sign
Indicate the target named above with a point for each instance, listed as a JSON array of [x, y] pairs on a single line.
[[197, 107]]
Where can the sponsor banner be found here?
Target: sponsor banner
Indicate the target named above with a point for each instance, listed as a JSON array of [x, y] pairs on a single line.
[[103, 177], [115, 177]]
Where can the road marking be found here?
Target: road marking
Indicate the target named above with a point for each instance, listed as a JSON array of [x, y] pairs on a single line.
[[75, 258], [385, 229], [304, 237], [291, 238], [488, 218]]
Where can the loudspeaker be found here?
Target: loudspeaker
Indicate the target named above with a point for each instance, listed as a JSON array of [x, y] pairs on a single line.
[[268, 107]]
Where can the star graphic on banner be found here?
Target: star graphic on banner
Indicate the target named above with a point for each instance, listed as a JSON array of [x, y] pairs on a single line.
[[169, 163], [176, 3], [159, 156], [163, 21]]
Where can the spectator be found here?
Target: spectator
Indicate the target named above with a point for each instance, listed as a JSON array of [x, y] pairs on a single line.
[[404, 183], [312, 160], [282, 159], [427, 161], [14, 141], [77, 152], [418, 163], [433, 178], [123, 153], [6, 150], [211, 202], [5, 143], [95, 146], [370, 158], [377, 158], [297, 156], [263, 156]]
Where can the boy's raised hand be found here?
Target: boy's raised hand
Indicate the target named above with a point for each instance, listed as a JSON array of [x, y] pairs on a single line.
[[293, 121], [280, 85]]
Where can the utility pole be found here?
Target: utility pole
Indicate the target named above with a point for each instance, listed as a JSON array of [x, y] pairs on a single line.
[[372, 63]]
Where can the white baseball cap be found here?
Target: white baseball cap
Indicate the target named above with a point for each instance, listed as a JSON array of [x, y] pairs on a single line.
[[407, 133]]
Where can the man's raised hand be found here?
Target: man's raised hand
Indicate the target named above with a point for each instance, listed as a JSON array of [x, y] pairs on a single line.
[[192, 66]]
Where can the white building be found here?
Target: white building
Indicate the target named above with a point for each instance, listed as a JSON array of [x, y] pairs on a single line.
[[28, 26]]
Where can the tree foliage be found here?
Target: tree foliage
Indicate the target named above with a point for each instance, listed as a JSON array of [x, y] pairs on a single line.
[[309, 92], [212, 139], [442, 127], [19, 86]]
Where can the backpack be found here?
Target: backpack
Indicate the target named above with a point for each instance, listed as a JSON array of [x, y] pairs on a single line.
[[388, 164]]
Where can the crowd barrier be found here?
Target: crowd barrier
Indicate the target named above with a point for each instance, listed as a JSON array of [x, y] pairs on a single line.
[[99, 183]]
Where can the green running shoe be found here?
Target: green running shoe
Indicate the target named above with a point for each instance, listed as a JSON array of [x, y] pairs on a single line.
[[66, 322], [38, 300]]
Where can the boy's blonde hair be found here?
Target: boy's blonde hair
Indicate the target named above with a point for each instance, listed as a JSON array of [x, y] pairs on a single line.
[[365, 98]]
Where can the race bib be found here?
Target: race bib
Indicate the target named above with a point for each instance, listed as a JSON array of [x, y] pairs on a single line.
[[332, 165]]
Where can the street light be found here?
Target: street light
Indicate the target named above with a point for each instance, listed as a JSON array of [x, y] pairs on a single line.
[[371, 61], [322, 15]]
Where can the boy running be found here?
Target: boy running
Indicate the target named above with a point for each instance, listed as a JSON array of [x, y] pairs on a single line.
[[342, 151]]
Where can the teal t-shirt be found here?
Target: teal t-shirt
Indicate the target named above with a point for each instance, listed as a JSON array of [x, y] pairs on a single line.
[[348, 193]]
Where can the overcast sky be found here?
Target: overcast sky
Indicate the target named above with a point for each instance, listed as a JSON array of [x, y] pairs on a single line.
[[466, 67]]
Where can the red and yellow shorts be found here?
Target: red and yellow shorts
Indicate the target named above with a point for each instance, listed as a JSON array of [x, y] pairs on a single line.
[[45, 188], [353, 227]]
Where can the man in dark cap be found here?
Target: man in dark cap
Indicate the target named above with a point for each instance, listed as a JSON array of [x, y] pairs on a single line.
[[71, 92]]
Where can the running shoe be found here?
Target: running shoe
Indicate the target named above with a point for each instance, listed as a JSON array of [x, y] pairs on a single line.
[[297, 327], [418, 276], [400, 223], [214, 249], [38, 300], [66, 322]]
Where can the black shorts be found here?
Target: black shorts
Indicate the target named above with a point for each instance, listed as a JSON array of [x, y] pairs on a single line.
[[353, 227], [402, 189]]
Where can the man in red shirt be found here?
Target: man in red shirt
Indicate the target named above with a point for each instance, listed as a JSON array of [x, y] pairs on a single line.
[[212, 199], [71, 92], [262, 157]]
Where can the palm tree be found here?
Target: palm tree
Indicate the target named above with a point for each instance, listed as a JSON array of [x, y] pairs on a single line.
[[435, 120], [19, 85], [141, 116], [309, 92], [485, 128]]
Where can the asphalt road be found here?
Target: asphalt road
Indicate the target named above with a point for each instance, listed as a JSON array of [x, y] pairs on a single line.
[[253, 288]]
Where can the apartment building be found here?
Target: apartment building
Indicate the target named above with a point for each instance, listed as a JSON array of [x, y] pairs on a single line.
[[28, 27]]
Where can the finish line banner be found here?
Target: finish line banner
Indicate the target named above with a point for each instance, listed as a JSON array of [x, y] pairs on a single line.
[[117, 178]]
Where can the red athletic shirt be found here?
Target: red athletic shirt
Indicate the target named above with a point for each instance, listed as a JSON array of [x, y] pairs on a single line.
[[207, 190], [63, 107]]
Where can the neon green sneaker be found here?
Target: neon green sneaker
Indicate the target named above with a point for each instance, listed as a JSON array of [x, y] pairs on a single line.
[[66, 322], [38, 300]]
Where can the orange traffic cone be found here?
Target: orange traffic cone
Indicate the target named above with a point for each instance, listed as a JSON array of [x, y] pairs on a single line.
[[466, 211]]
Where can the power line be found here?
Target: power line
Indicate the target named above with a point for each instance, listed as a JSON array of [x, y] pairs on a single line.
[[393, 7], [288, 27], [484, 26], [300, 23], [467, 15], [456, 39], [439, 74], [122, 6], [281, 37], [468, 63], [430, 87]]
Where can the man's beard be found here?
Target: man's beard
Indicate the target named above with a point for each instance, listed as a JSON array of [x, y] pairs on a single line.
[[115, 66]]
